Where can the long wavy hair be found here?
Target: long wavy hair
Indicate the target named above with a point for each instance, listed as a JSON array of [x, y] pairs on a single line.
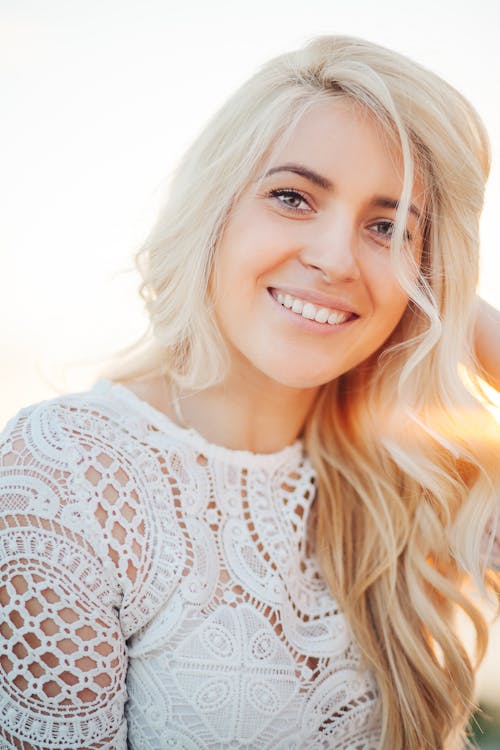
[[402, 444]]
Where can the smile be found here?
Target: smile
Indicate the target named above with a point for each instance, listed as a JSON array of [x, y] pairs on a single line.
[[309, 311]]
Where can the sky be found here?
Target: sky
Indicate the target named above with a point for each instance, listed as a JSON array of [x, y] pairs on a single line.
[[100, 98]]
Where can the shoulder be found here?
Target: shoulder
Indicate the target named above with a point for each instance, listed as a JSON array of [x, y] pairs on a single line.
[[46, 446], [50, 452], [65, 416], [66, 428], [85, 464]]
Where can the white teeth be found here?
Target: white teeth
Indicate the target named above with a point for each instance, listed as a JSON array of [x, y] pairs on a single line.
[[310, 311], [322, 315], [336, 317]]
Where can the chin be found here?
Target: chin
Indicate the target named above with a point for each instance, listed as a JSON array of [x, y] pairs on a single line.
[[291, 378]]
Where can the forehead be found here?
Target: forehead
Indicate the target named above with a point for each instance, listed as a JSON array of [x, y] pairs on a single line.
[[329, 129]]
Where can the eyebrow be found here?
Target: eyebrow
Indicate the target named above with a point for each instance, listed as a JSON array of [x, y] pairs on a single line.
[[309, 174], [391, 203], [326, 184]]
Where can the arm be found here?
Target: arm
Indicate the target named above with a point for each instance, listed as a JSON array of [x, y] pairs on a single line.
[[487, 350], [63, 655], [487, 342]]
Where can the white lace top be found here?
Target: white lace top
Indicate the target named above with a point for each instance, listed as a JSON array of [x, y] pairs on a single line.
[[157, 593]]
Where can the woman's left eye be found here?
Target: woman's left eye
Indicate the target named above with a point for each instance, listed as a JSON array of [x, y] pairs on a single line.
[[290, 199], [386, 229]]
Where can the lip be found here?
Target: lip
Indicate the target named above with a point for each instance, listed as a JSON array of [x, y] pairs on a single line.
[[316, 298], [311, 326]]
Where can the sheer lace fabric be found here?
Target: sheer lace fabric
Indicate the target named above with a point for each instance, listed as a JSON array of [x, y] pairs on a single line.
[[156, 591]]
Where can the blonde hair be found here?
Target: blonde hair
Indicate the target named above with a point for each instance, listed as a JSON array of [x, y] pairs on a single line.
[[403, 450]]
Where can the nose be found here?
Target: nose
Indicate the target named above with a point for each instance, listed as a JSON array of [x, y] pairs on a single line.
[[332, 249]]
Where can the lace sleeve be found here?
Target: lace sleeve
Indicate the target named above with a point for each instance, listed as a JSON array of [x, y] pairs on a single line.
[[63, 657]]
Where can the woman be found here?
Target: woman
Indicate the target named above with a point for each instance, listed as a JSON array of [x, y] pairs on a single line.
[[259, 532]]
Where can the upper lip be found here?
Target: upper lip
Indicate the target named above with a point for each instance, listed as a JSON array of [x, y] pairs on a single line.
[[317, 298]]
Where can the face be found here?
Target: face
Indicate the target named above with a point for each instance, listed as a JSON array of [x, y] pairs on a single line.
[[305, 287]]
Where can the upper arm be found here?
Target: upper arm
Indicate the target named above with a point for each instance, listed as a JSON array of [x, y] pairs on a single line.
[[492, 550], [487, 342], [63, 656]]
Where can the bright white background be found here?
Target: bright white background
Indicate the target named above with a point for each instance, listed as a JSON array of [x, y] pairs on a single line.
[[99, 98]]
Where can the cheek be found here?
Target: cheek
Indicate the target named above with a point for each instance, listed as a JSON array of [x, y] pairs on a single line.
[[255, 242], [394, 302], [389, 299], [238, 270]]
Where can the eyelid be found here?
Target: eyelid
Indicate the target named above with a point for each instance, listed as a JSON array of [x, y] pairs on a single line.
[[407, 234], [382, 221], [275, 192]]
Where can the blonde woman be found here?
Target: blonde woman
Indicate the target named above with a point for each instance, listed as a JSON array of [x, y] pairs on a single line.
[[258, 531]]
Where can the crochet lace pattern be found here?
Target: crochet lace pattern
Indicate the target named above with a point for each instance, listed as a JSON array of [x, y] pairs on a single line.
[[156, 591]]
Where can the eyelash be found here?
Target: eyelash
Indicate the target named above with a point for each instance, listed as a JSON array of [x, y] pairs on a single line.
[[289, 192], [387, 222]]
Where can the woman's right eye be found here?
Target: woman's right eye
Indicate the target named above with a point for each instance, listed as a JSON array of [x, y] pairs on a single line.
[[290, 199]]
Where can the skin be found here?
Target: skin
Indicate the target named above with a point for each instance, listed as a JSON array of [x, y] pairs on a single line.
[[336, 245], [487, 342]]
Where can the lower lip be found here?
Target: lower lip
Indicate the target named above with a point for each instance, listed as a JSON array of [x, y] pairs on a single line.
[[312, 326]]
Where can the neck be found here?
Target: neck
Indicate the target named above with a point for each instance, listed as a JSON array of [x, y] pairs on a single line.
[[246, 413]]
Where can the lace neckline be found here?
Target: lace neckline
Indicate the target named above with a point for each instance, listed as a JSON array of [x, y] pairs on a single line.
[[290, 454]]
